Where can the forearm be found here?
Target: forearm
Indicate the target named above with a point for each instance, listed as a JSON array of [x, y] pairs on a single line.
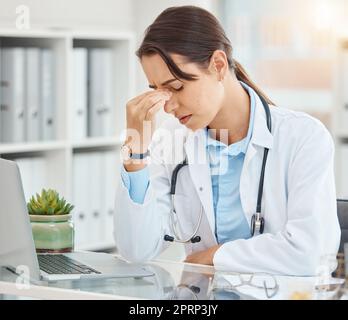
[[203, 257], [136, 182]]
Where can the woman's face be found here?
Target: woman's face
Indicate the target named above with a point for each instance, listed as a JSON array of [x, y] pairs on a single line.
[[197, 101]]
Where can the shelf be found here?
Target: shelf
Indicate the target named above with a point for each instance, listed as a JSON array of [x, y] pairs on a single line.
[[53, 33], [32, 147], [102, 35], [31, 33], [55, 161], [57, 145], [96, 142]]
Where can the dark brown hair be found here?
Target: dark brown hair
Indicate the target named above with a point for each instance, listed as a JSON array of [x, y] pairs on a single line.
[[194, 33]]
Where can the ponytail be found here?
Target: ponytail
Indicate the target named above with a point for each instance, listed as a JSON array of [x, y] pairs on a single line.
[[243, 76]]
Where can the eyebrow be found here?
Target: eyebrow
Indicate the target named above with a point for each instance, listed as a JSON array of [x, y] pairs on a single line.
[[163, 84]]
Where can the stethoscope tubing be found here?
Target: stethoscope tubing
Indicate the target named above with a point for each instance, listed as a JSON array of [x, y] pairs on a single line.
[[257, 222]]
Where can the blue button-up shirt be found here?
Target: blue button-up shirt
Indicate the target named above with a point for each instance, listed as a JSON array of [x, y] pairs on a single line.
[[226, 163]]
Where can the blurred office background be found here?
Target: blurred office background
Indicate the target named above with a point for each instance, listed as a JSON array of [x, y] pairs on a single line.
[[68, 68]]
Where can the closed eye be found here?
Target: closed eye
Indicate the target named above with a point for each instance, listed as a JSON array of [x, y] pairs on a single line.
[[178, 89]]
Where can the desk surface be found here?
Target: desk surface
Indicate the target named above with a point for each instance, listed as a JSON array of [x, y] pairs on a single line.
[[172, 280]]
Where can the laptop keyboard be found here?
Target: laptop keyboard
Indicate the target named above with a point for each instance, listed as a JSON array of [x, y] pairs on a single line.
[[60, 264]]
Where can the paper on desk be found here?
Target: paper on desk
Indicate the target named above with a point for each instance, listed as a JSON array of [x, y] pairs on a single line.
[[287, 286]]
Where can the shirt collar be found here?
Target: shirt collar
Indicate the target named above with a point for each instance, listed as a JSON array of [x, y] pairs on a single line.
[[240, 146]]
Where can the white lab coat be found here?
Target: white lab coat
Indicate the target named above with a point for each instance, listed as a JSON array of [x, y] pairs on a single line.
[[299, 198]]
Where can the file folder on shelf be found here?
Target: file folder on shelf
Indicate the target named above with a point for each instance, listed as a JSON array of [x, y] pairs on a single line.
[[47, 95], [111, 176], [101, 121], [81, 197], [94, 185], [96, 192], [12, 95], [33, 80], [79, 130]]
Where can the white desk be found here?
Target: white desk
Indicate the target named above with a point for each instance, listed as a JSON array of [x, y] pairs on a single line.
[[172, 280]]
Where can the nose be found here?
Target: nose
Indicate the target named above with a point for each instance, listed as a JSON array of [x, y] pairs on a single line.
[[170, 106]]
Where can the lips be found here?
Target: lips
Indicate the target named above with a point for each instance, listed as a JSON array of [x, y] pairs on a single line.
[[184, 119]]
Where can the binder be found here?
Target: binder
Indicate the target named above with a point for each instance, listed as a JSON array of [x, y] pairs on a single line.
[[12, 92], [47, 95], [32, 103], [96, 192], [82, 221], [101, 120], [80, 93], [111, 176]]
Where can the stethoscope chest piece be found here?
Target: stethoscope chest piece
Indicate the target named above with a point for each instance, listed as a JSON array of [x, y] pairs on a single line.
[[257, 224]]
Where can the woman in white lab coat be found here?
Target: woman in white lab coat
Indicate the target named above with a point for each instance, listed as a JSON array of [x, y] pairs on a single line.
[[187, 59]]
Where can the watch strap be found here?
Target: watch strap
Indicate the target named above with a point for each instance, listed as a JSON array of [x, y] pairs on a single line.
[[139, 155]]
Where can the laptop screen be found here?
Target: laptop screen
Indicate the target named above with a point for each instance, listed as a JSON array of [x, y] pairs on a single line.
[[17, 249]]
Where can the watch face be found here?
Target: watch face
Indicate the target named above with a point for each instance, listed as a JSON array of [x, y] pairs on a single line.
[[125, 153]]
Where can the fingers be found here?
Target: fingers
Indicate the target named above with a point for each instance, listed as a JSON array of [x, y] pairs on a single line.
[[150, 101], [137, 99], [150, 113], [142, 96]]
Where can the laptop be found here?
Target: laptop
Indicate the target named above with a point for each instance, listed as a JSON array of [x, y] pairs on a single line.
[[17, 248]]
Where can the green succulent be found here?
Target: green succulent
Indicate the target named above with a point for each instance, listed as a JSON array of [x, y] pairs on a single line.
[[48, 203]]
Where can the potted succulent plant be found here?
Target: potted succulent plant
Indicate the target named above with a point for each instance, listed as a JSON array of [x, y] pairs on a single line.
[[51, 221]]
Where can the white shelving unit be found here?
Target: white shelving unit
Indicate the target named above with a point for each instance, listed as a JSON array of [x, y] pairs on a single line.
[[59, 154], [340, 119]]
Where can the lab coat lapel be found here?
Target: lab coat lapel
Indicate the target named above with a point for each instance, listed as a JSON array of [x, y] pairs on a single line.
[[261, 139], [261, 135], [199, 169]]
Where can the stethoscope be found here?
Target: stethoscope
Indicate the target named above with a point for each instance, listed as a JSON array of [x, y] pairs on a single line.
[[257, 224]]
